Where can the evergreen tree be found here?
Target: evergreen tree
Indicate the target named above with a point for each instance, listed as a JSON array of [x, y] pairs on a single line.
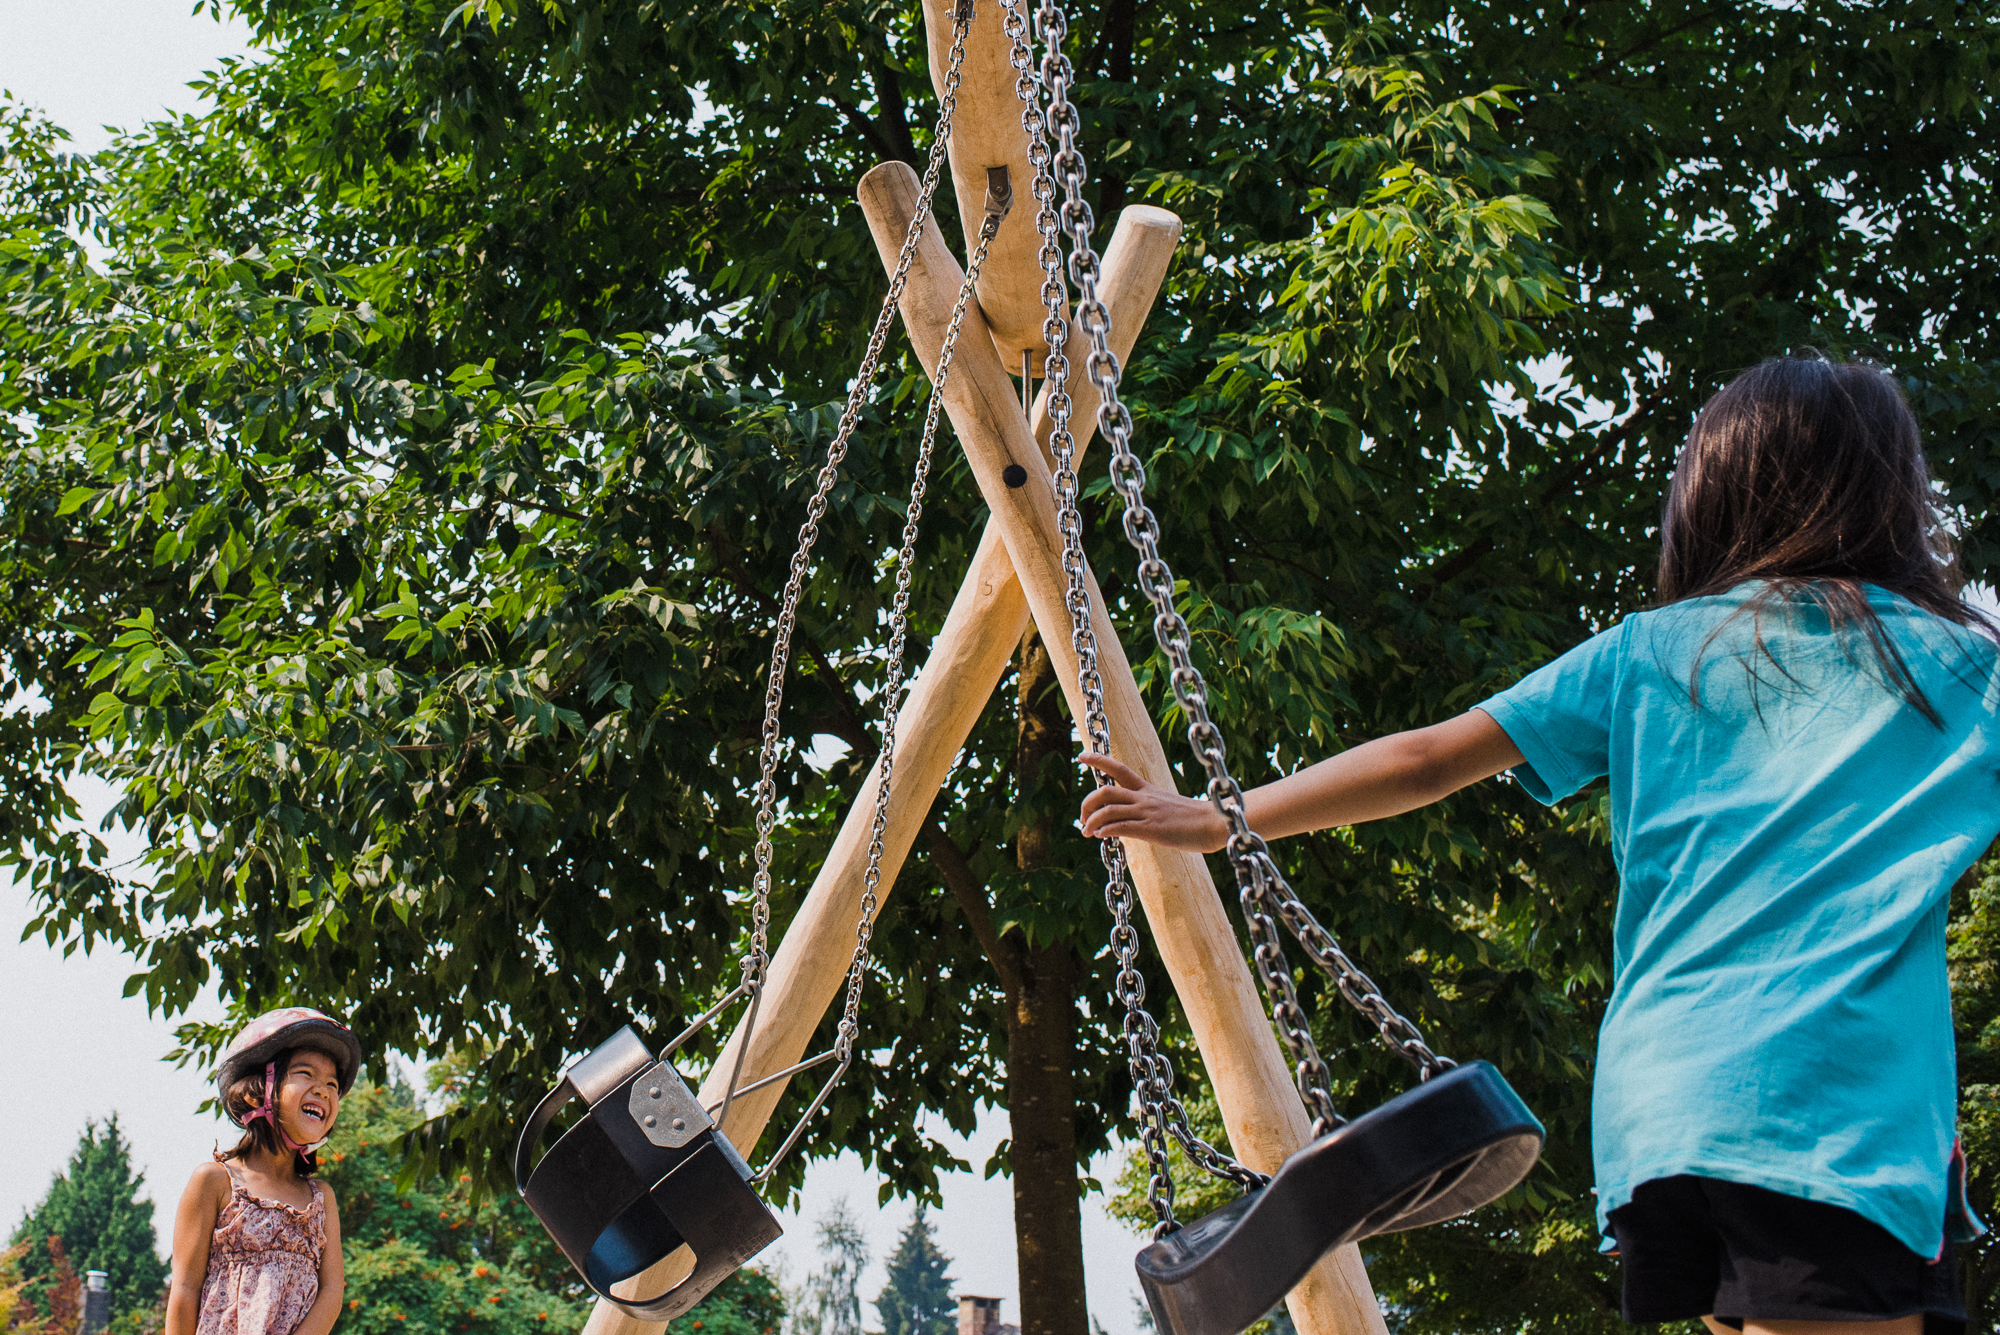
[[917, 1298], [96, 1210]]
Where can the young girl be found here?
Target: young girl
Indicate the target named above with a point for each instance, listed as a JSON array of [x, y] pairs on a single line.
[[1803, 747], [256, 1240]]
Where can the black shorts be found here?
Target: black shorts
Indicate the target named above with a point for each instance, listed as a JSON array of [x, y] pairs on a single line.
[[1697, 1246]]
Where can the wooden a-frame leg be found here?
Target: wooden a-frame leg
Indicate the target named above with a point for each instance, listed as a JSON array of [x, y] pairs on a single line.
[[967, 661], [1259, 1103]]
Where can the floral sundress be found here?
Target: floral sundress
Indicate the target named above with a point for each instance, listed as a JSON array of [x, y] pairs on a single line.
[[263, 1264]]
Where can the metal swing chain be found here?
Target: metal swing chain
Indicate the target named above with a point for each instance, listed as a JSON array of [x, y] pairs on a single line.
[[899, 624], [892, 695], [1262, 887], [757, 958], [1161, 1112]]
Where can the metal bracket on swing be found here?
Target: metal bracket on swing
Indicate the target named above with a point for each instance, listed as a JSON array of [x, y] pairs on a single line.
[[646, 1170]]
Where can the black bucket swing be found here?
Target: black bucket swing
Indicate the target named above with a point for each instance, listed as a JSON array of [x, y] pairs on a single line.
[[646, 1170], [1459, 1140]]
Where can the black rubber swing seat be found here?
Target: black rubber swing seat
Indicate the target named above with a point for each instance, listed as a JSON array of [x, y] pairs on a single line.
[[642, 1173], [1454, 1143]]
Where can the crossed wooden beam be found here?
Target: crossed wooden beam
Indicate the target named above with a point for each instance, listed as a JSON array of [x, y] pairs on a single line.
[[1016, 575]]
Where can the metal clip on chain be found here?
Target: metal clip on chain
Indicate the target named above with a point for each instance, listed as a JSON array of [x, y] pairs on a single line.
[[1262, 888], [1161, 1112]]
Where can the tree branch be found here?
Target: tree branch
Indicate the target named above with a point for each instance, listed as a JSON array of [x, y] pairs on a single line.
[[1655, 40], [895, 115], [71, 544], [1443, 572], [868, 129], [959, 878], [852, 730]]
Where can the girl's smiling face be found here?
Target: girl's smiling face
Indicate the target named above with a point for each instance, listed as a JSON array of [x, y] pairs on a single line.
[[308, 1096]]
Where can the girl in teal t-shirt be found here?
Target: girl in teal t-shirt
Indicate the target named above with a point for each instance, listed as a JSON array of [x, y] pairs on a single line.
[[1803, 748]]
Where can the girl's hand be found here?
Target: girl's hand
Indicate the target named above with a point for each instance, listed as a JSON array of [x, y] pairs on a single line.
[[1139, 810]]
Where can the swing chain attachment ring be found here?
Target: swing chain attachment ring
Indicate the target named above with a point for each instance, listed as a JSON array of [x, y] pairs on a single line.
[[1161, 1112], [1262, 887]]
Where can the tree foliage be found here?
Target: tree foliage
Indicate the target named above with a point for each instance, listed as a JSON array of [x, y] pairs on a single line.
[[95, 1209], [395, 493], [828, 1301], [1974, 951], [62, 1291]]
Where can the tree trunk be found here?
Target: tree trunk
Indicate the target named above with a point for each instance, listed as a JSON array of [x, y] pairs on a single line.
[[1041, 1037]]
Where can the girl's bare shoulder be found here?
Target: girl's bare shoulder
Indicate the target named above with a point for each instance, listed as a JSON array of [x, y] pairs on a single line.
[[211, 1180]]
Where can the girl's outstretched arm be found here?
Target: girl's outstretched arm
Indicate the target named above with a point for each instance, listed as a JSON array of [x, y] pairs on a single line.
[[319, 1318], [194, 1225], [1385, 777]]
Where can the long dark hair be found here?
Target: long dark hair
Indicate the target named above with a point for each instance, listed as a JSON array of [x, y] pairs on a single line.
[[1809, 475], [244, 1096]]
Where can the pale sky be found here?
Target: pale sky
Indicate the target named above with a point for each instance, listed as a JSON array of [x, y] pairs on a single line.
[[76, 1048]]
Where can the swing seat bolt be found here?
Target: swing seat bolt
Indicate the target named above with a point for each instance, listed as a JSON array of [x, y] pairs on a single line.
[[680, 1124], [653, 1093], [651, 1120]]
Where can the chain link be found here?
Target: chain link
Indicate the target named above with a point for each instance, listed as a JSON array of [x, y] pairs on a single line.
[[1161, 1112], [1262, 889]]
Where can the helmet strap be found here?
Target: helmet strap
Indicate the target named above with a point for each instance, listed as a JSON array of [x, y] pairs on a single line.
[[269, 1110]]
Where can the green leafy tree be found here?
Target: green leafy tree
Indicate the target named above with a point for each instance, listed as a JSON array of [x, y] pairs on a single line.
[[419, 1250], [917, 1298], [395, 494], [1973, 937], [95, 1208], [829, 1300], [749, 1302]]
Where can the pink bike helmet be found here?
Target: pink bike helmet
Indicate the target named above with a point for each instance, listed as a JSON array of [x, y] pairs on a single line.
[[284, 1030]]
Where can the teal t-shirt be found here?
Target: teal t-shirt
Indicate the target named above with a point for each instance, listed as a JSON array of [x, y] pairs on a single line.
[[1780, 1013]]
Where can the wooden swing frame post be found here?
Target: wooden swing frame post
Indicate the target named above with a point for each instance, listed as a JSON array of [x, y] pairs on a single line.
[[967, 662], [1253, 1087], [1015, 577]]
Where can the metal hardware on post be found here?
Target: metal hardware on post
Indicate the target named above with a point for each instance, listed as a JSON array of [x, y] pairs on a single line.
[[999, 192]]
